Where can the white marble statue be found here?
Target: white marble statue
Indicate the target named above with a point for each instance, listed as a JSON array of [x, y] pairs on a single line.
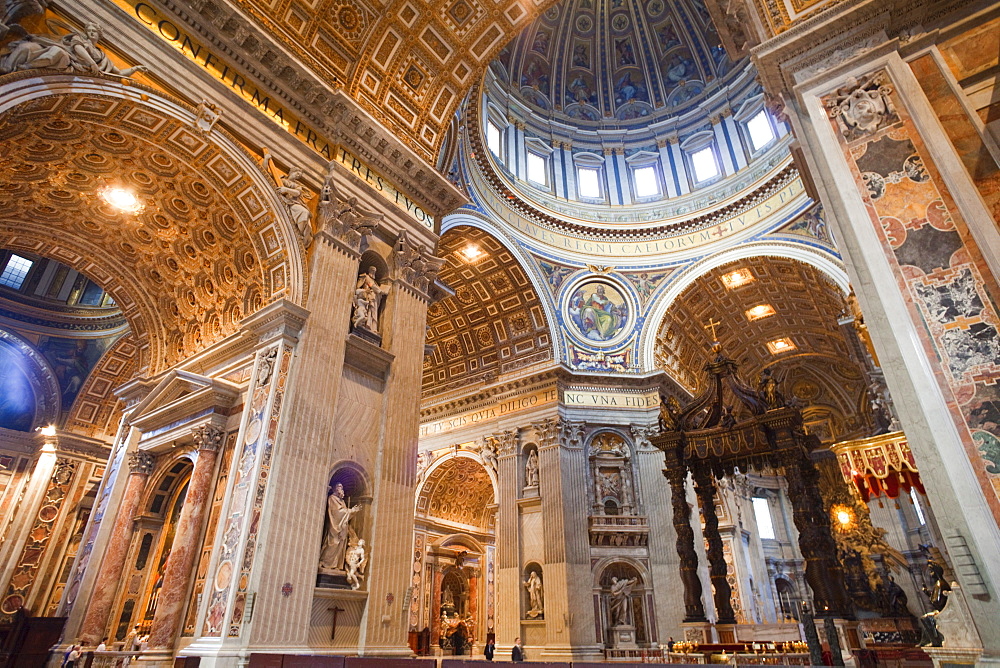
[[368, 296], [536, 595], [621, 604], [531, 470], [333, 558], [356, 560], [294, 194], [73, 52]]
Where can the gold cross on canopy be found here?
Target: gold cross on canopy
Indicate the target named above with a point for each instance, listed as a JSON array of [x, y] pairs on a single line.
[[712, 324]]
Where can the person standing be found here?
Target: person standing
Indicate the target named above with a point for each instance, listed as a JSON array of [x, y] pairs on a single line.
[[489, 650], [517, 652]]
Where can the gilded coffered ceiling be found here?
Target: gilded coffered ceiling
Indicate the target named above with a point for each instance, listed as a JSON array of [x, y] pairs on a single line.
[[824, 370], [493, 324], [459, 491], [407, 62], [206, 249]]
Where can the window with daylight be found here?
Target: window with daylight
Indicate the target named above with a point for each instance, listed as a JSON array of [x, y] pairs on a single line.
[[646, 184], [762, 511], [494, 139], [14, 273], [760, 130], [914, 496], [537, 169], [704, 164], [588, 182]]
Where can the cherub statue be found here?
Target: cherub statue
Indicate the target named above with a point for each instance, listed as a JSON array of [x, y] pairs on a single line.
[[356, 562], [73, 52], [294, 194]]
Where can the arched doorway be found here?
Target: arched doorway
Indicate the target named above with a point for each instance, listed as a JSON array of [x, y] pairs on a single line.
[[152, 541], [455, 536]]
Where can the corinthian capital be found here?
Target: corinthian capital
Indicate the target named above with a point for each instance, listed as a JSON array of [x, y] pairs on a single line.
[[414, 264], [141, 462], [207, 437]]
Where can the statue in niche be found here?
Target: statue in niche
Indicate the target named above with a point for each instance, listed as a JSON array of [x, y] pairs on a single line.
[[356, 561], [621, 604], [73, 52], [294, 194], [339, 533], [536, 595], [368, 296], [531, 470]]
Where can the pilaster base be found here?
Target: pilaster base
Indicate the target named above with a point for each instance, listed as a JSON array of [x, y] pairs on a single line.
[[953, 656], [623, 637]]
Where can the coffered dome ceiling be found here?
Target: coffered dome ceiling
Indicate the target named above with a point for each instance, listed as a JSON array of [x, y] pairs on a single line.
[[204, 252], [591, 60]]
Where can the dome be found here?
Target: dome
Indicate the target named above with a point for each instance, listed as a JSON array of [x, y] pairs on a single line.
[[594, 61]]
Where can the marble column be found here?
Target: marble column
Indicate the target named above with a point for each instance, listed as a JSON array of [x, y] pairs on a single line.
[[186, 546], [95, 622], [705, 489], [693, 606]]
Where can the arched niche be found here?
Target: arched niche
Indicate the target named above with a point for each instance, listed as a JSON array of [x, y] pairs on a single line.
[[612, 489], [532, 579], [346, 522], [637, 613], [530, 468]]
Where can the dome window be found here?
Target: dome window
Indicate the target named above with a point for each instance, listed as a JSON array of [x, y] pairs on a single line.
[[760, 130], [588, 182], [536, 166], [537, 169], [15, 272], [704, 163], [589, 176], [494, 139], [644, 168], [646, 182]]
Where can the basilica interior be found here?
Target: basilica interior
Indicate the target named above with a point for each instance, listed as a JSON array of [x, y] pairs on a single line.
[[421, 332]]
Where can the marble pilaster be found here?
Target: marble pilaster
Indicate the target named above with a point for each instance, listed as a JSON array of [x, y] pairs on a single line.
[[96, 620], [185, 548]]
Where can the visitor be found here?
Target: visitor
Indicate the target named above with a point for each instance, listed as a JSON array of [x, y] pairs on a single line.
[[103, 646], [517, 652], [72, 656], [670, 644], [489, 650]]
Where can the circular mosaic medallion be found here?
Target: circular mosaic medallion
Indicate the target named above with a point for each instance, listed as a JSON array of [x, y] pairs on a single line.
[[598, 312]]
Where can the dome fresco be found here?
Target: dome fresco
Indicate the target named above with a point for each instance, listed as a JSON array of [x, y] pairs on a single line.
[[596, 60]]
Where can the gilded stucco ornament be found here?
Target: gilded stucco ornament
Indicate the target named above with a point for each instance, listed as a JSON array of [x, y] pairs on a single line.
[[75, 51]]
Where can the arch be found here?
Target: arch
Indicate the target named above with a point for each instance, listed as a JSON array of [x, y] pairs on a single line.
[[826, 263], [524, 259], [70, 137], [495, 322], [459, 490], [41, 382], [468, 454]]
